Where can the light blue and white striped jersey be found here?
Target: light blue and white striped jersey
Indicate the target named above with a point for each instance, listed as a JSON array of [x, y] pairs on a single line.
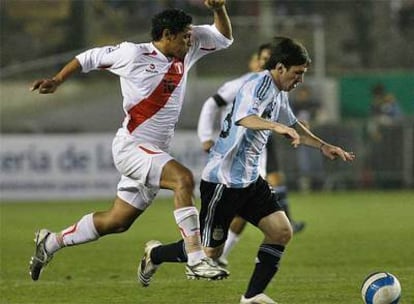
[[234, 159]]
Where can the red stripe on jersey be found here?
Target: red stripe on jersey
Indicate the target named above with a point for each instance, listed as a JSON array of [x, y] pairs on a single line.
[[147, 107], [148, 150]]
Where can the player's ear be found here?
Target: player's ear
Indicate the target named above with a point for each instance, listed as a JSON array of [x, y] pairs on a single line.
[[280, 67], [166, 34]]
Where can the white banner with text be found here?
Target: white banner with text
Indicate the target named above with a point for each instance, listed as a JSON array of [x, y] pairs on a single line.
[[73, 166]]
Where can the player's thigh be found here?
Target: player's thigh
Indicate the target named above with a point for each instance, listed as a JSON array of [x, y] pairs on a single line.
[[219, 205], [175, 175]]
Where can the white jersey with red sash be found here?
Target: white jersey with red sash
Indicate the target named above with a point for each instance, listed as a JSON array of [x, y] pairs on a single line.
[[152, 85]]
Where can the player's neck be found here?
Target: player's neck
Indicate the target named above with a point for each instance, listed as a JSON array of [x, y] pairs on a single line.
[[161, 47], [276, 80]]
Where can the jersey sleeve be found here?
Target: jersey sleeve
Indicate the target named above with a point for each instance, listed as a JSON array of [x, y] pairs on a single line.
[[208, 115], [116, 59], [229, 89], [206, 39], [250, 96], [286, 115]]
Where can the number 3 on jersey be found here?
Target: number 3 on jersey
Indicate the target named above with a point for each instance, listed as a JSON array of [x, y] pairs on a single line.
[[225, 130]]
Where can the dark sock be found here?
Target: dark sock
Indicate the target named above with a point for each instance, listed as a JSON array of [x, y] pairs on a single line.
[[266, 267], [174, 253]]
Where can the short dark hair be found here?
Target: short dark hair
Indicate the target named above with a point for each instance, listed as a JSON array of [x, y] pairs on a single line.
[[288, 52], [264, 46], [173, 19]]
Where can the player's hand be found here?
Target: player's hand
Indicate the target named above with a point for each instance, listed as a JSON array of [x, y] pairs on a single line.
[[289, 133], [333, 152], [207, 145], [215, 4], [45, 86]]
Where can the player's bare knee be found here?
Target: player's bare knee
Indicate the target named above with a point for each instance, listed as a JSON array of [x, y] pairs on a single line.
[[280, 236], [285, 234]]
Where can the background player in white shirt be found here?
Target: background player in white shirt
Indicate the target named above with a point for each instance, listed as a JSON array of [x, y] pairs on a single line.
[[153, 79], [218, 105], [231, 183]]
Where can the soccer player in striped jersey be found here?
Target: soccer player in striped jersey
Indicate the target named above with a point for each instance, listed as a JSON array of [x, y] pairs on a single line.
[[153, 79], [231, 184], [219, 104]]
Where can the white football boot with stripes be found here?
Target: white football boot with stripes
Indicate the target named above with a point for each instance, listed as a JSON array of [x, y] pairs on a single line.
[[146, 268], [40, 258], [206, 269]]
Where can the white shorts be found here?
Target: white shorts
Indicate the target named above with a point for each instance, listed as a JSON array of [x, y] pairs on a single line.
[[141, 166]]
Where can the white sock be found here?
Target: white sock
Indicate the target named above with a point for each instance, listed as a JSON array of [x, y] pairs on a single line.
[[51, 244], [82, 232], [232, 239], [187, 220]]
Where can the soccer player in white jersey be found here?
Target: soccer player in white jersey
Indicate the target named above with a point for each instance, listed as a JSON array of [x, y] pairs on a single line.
[[231, 183], [217, 105], [153, 80]]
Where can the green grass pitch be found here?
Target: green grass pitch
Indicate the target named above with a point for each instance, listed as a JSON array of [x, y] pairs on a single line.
[[348, 235]]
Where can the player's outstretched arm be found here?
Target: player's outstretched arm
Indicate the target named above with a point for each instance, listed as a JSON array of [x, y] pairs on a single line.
[[49, 85], [330, 151], [221, 18], [333, 152], [255, 122]]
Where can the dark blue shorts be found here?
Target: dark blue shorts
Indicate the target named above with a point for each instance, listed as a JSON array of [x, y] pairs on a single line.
[[219, 205]]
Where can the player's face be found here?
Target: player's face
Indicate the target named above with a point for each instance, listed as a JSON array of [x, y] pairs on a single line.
[[180, 43], [254, 63], [288, 79], [263, 58]]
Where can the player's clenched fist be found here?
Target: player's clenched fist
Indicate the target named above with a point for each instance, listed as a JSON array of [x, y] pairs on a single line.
[[214, 4]]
